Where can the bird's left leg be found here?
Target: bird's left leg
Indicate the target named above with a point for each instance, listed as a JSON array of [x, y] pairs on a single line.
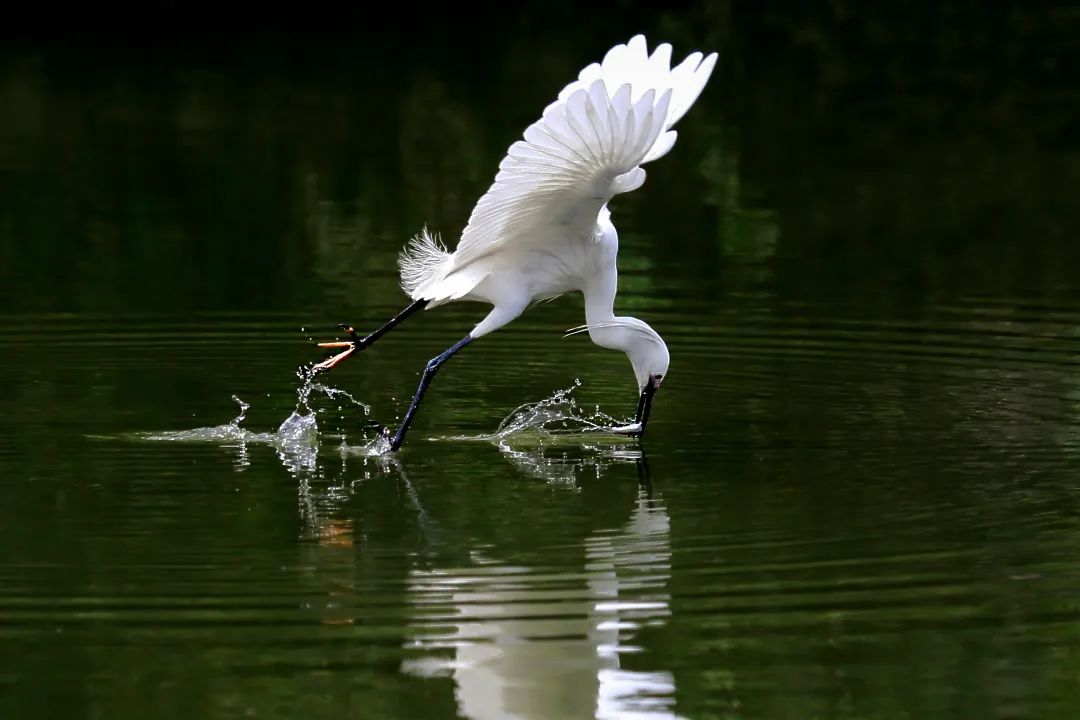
[[429, 372], [355, 342]]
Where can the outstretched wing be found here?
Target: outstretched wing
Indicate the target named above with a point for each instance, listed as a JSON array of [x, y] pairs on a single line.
[[588, 147]]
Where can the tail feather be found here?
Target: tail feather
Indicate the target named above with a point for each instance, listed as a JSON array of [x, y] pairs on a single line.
[[422, 260]]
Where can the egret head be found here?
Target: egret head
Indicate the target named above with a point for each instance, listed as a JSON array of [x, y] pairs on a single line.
[[648, 355], [647, 352]]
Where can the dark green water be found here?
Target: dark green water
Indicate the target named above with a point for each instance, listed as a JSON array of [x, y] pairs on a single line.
[[859, 493]]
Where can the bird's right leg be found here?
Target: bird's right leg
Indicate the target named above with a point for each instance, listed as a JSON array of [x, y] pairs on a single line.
[[429, 372], [499, 316], [355, 342]]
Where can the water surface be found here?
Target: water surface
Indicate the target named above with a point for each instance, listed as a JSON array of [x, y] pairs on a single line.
[[858, 495]]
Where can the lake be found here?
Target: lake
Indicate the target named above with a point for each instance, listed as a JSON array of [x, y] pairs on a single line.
[[858, 496]]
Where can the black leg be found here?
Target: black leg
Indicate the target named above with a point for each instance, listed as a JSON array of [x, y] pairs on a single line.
[[355, 343], [429, 372], [392, 323]]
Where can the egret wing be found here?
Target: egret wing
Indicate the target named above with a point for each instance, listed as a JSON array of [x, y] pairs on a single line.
[[631, 64], [587, 147]]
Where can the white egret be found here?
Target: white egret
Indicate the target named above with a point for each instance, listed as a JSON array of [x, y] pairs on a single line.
[[543, 228]]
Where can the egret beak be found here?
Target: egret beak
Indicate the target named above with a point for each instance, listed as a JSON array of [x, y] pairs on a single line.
[[637, 428], [645, 402]]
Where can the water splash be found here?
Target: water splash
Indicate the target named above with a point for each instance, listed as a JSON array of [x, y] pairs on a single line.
[[229, 432], [553, 420], [298, 428], [297, 438], [376, 447], [308, 386], [558, 414]]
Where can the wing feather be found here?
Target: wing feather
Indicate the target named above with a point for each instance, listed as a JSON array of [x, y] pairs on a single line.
[[587, 147]]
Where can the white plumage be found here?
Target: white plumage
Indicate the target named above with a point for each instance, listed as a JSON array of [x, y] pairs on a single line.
[[543, 228], [586, 148]]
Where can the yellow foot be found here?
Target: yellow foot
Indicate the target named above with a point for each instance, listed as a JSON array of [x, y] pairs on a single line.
[[350, 346]]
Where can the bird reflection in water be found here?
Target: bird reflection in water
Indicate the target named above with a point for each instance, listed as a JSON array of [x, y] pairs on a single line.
[[535, 642]]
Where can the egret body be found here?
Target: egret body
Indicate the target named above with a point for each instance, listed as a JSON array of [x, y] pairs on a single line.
[[543, 228]]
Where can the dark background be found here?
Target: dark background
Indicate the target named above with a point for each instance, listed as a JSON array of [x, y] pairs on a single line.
[[957, 122]]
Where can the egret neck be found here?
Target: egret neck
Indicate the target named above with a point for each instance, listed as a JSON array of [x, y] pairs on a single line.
[[644, 347]]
